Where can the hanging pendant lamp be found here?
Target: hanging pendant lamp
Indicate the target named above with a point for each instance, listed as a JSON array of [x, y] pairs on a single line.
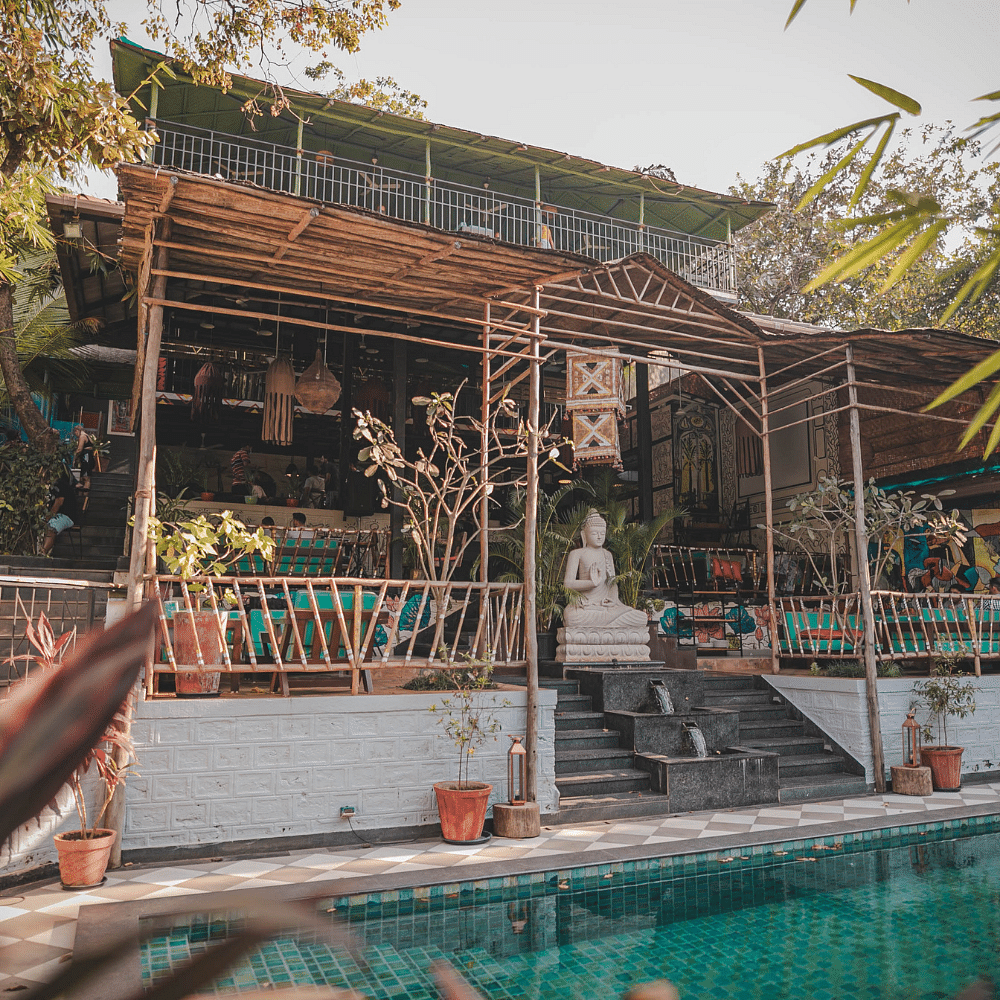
[[206, 401], [279, 404], [317, 389]]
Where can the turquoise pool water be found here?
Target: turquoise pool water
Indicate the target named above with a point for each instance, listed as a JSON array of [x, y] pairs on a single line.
[[915, 920]]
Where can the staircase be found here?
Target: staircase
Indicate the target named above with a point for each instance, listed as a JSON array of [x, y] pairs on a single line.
[[807, 768], [104, 524], [594, 774]]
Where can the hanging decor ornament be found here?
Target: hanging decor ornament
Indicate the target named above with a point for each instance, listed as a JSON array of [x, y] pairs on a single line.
[[594, 400], [206, 401], [317, 389], [279, 402]]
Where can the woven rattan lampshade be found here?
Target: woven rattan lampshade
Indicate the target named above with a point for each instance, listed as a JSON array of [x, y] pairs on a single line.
[[279, 403], [206, 400], [317, 390]]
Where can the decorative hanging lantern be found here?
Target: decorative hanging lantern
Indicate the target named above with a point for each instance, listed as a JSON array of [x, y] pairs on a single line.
[[279, 402], [594, 399], [206, 401], [317, 390], [911, 741], [516, 757]]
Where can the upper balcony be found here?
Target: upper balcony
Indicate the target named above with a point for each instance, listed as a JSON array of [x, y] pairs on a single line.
[[445, 205]]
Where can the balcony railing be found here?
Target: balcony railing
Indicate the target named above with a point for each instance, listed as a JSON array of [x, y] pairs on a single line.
[[448, 206]]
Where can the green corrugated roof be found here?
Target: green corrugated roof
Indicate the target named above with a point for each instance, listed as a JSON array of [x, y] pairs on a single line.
[[354, 131]]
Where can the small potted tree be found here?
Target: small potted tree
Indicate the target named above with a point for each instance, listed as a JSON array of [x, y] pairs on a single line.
[[944, 694], [199, 547], [468, 720]]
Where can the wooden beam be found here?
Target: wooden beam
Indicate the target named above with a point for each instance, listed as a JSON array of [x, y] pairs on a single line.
[[295, 232]]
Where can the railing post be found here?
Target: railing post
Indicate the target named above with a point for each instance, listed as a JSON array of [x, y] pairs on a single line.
[[298, 159], [765, 433], [427, 183], [538, 221], [864, 583]]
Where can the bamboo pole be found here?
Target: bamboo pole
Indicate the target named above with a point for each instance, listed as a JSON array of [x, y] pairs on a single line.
[[530, 528], [864, 583], [484, 444], [765, 436]]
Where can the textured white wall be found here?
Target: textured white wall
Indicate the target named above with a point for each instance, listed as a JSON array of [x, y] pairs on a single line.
[[837, 706], [225, 770]]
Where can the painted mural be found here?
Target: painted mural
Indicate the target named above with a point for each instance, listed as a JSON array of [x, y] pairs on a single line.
[[924, 562], [696, 454]]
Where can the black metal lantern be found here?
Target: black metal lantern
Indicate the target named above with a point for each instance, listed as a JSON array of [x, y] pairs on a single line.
[[911, 741], [515, 771]]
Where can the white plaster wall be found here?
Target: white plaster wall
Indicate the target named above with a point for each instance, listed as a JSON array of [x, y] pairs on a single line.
[[220, 770], [837, 706]]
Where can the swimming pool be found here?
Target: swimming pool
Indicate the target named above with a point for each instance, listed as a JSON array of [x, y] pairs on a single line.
[[912, 914]]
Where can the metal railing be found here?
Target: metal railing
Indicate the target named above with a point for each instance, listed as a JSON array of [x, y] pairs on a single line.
[[67, 603], [273, 625], [907, 626], [448, 206]]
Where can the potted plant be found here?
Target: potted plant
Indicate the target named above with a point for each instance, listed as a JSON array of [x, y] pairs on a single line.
[[84, 853], [468, 720], [200, 547], [944, 694]]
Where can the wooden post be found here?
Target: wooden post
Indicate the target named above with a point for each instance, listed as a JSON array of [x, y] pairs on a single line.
[[348, 355], [427, 183], [644, 429], [399, 409], [530, 529], [298, 159], [765, 432], [145, 487], [484, 444], [864, 583]]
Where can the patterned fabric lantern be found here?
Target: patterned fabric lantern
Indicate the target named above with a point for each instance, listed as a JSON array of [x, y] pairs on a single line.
[[206, 401], [279, 402], [317, 389], [594, 400]]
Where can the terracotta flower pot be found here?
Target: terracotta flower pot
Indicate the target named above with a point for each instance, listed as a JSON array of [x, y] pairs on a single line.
[[946, 767], [462, 809], [82, 863], [197, 683]]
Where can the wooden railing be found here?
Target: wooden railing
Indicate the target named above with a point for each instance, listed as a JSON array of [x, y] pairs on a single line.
[[272, 625], [322, 552], [907, 626]]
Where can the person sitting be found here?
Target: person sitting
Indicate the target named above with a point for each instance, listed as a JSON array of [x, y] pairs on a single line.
[[313, 489], [63, 513]]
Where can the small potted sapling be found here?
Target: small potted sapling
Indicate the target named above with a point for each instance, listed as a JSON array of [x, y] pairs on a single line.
[[468, 720], [194, 549], [84, 853], [944, 694]]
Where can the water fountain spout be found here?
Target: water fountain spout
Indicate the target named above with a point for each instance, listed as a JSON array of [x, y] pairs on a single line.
[[666, 706], [697, 741]]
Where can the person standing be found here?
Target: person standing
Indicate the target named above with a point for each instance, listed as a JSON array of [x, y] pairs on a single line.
[[84, 455]]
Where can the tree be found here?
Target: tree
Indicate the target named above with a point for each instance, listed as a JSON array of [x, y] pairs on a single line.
[[58, 118], [784, 251]]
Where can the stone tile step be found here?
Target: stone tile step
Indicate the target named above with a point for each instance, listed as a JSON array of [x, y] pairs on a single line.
[[757, 713], [808, 787], [574, 703], [791, 746], [594, 808], [782, 726], [603, 782], [552, 684], [579, 720], [723, 699], [591, 761], [716, 682], [792, 765], [585, 739]]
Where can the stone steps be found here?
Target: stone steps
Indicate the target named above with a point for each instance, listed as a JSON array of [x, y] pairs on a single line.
[[579, 720], [602, 782], [585, 761]]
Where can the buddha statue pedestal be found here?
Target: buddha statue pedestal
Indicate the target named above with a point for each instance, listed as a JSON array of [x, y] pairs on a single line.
[[602, 644]]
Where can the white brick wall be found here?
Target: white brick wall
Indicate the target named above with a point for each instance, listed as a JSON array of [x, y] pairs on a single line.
[[837, 706], [225, 770]]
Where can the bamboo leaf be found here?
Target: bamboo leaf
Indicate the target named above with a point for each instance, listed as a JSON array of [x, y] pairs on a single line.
[[865, 255], [866, 174], [838, 133], [909, 257], [840, 165], [983, 414], [888, 94], [981, 371], [796, 7], [975, 286]]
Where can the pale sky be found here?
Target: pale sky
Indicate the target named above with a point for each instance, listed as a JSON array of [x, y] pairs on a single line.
[[711, 88]]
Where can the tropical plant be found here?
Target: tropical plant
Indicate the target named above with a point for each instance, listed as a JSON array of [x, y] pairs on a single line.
[[556, 530], [26, 475], [629, 541], [466, 717], [207, 545], [944, 694], [178, 471]]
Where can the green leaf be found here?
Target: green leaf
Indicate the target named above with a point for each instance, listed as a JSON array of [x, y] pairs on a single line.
[[796, 7], [841, 164], [866, 174], [983, 414], [865, 255], [888, 94], [981, 371], [909, 257], [839, 133]]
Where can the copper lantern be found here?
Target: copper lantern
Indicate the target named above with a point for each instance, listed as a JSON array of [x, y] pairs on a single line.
[[515, 771], [911, 741]]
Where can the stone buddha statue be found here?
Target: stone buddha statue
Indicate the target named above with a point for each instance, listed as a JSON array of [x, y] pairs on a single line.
[[599, 627]]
